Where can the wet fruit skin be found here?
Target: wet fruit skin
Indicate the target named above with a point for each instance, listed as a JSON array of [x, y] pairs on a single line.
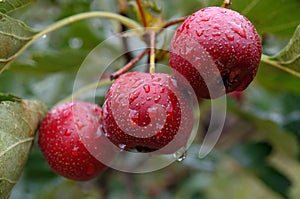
[[147, 112], [215, 41], [60, 140]]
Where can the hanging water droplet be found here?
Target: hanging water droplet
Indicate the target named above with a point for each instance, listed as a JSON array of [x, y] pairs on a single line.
[[122, 146], [180, 156], [43, 37]]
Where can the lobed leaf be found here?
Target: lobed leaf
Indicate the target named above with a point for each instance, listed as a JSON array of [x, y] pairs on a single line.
[[18, 123], [11, 5], [14, 34]]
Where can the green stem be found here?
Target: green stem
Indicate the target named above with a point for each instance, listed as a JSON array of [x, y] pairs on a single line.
[[85, 90], [152, 52], [69, 20], [266, 59]]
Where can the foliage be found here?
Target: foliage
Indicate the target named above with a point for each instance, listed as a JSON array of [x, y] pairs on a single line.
[[257, 155]]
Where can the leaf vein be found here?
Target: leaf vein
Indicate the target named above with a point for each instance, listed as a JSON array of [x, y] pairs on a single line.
[[16, 144]]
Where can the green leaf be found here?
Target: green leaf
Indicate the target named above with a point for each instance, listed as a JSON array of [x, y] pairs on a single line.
[[269, 16], [289, 57], [14, 34], [18, 123], [11, 5], [9, 97], [253, 156]]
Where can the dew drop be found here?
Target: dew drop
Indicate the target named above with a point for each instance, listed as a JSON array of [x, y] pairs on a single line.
[[134, 115], [80, 125], [67, 133], [238, 29], [90, 170], [152, 111], [216, 34], [199, 33], [180, 156], [229, 37], [156, 100], [75, 151], [169, 108], [205, 18], [146, 88], [122, 146], [134, 96]]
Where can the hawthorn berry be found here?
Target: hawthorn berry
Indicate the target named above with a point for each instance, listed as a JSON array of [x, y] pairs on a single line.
[[217, 50], [147, 112], [60, 139]]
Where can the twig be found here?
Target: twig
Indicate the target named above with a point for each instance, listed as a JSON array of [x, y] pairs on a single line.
[[139, 4], [129, 65]]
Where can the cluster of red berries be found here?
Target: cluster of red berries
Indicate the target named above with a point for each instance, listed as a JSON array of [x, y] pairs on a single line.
[[216, 50]]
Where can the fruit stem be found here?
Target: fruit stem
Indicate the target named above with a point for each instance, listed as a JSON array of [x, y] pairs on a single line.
[[226, 3], [84, 90], [269, 61], [139, 4], [152, 51], [129, 65], [171, 23], [69, 20]]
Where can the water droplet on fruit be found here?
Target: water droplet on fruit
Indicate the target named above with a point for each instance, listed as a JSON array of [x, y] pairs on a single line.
[[162, 90], [80, 125], [216, 34], [238, 29], [146, 88], [156, 100], [205, 18], [75, 151], [169, 108], [199, 33], [66, 113], [134, 115], [90, 170], [152, 111], [134, 95], [148, 98], [67, 133], [229, 36]]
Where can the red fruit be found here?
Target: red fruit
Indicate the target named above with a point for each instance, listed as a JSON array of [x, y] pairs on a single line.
[[60, 139], [147, 112], [216, 41]]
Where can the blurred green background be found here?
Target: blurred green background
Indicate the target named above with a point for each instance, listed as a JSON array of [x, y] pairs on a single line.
[[257, 156]]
